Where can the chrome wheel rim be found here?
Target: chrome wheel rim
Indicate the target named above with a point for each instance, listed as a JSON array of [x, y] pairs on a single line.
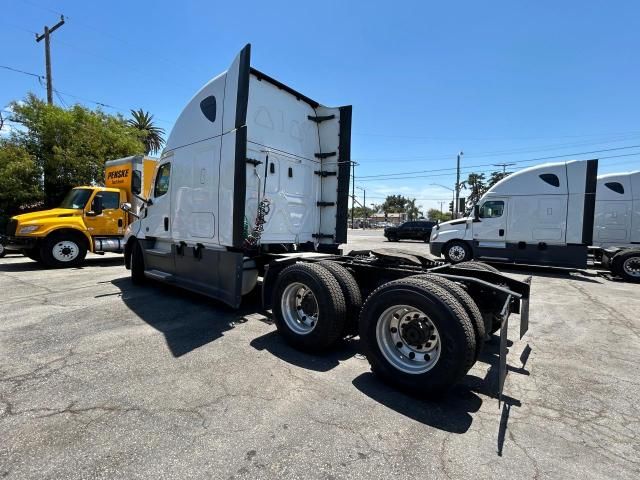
[[408, 339], [65, 251], [1, 249], [299, 308], [631, 267], [457, 253]]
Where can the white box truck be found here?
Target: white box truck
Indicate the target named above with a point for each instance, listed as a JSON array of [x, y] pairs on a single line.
[[251, 192], [546, 215]]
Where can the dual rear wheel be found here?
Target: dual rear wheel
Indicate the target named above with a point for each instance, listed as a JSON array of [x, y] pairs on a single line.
[[419, 333]]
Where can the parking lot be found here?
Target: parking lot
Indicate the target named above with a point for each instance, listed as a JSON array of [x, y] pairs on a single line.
[[103, 379]]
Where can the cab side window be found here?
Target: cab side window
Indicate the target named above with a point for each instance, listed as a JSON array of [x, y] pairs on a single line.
[[110, 200], [162, 180], [492, 209]]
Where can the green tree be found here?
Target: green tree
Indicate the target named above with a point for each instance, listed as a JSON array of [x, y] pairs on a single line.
[[152, 136], [69, 146], [20, 184], [477, 186], [359, 212], [394, 204], [496, 177], [436, 215], [412, 210]]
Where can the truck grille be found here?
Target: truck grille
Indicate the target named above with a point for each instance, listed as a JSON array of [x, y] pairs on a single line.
[[11, 227]]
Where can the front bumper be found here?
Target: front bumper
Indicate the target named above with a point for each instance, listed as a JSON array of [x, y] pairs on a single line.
[[19, 243]]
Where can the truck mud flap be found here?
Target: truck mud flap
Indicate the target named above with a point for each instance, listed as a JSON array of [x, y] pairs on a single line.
[[504, 330]]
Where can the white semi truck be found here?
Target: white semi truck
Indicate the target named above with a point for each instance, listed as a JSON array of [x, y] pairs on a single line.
[[251, 192], [555, 215], [617, 213]]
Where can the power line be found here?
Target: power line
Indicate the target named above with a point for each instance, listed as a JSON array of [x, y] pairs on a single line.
[[84, 99], [390, 176], [470, 139], [17, 70], [450, 174], [542, 148]]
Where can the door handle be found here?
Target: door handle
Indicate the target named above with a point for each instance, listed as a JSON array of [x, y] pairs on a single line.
[[119, 222], [501, 232], [166, 224]]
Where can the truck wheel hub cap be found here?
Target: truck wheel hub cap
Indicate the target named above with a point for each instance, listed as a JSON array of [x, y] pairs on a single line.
[[457, 253], [631, 266], [408, 339], [65, 251], [299, 308]]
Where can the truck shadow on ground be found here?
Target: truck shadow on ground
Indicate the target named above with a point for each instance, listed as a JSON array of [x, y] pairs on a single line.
[[275, 345], [187, 320], [451, 412], [28, 265]]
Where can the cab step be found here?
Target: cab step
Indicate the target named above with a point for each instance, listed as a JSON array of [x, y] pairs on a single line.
[[158, 275]]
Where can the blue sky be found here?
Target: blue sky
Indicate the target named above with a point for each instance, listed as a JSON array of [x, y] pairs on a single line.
[[503, 81]]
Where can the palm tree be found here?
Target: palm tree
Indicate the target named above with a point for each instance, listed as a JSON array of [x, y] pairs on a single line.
[[412, 210], [152, 136]]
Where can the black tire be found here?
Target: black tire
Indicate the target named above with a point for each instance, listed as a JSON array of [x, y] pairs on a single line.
[[626, 265], [479, 328], [491, 322], [330, 307], [32, 253], [70, 249], [474, 265], [137, 264], [426, 238], [392, 238], [458, 344], [351, 292], [453, 254]]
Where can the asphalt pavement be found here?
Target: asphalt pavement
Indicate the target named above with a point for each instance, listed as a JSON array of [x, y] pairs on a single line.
[[103, 379]]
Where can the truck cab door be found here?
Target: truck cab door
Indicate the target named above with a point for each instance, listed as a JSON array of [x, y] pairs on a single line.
[[109, 220], [156, 224], [490, 231]]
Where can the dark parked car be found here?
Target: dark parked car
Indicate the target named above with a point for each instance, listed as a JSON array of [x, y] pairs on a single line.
[[416, 230]]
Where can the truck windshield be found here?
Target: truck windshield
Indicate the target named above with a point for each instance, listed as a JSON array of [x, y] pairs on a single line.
[[76, 198]]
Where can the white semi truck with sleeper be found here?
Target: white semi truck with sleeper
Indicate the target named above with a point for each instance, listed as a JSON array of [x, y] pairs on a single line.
[[251, 192], [554, 214]]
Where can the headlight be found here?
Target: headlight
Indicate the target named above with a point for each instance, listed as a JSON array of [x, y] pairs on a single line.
[[29, 228]]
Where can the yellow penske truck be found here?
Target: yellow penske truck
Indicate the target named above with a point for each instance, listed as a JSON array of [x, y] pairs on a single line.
[[89, 219]]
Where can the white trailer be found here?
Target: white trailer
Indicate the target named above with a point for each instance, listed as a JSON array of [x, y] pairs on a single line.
[[549, 215], [251, 191]]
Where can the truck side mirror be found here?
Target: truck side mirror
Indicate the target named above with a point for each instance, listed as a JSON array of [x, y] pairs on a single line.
[[476, 213], [127, 208], [136, 182], [96, 206]]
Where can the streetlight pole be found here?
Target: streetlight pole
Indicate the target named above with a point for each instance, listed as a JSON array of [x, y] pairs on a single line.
[[457, 197], [453, 199]]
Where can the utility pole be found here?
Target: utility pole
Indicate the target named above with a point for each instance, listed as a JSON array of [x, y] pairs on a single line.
[[47, 55], [455, 205], [364, 206], [364, 202], [503, 165], [441, 203], [353, 191]]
